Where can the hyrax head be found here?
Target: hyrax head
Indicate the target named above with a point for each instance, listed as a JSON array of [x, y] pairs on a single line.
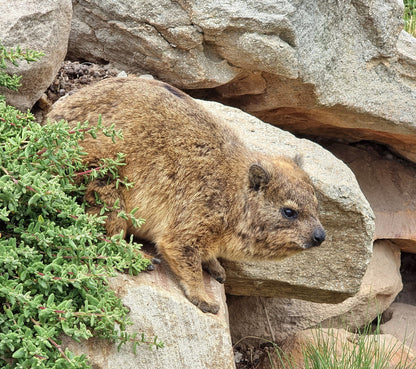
[[284, 209]]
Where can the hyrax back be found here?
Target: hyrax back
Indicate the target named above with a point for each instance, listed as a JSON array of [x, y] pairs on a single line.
[[202, 193]]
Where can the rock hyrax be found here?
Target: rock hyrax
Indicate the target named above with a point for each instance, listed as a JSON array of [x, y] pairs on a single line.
[[203, 193]]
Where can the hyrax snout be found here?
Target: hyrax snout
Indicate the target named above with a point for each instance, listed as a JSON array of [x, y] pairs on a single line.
[[203, 193]]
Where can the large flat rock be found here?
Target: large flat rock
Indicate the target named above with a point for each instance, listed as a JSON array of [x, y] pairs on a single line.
[[331, 272], [159, 308], [334, 68], [277, 319]]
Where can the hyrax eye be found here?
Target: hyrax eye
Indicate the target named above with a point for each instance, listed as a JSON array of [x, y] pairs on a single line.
[[289, 213]]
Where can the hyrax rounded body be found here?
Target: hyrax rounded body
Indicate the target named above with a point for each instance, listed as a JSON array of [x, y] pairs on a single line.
[[202, 192]]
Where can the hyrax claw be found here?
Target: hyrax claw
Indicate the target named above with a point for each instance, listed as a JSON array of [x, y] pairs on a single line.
[[215, 270], [220, 280], [203, 193], [205, 306]]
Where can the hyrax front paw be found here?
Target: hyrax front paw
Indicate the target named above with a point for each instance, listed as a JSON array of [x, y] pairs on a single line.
[[205, 305]]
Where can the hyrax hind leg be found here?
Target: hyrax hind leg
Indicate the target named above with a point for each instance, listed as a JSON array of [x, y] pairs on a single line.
[[185, 262]]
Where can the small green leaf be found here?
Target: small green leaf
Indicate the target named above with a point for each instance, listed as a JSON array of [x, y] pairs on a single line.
[[51, 300], [40, 331], [9, 313], [19, 353], [43, 284]]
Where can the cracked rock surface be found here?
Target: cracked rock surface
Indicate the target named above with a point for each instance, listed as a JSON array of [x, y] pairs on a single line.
[[341, 69], [40, 26]]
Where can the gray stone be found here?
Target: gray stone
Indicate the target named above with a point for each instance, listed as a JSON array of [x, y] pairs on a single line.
[[333, 68], [40, 26], [155, 37], [279, 319], [400, 323], [331, 272], [159, 308], [406, 46]]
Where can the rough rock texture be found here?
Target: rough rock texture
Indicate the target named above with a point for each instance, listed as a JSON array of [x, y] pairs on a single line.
[[334, 68], [343, 344], [279, 319], [401, 323], [41, 26], [331, 272], [158, 307], [389, 184], [148, 36]]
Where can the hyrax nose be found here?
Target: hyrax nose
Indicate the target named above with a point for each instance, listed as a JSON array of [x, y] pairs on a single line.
[[318, 236]]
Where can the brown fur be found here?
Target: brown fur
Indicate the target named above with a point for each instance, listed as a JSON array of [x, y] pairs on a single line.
[[202, 192]]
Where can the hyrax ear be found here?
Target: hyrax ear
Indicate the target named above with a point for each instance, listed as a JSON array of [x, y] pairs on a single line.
[[258, 177]]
